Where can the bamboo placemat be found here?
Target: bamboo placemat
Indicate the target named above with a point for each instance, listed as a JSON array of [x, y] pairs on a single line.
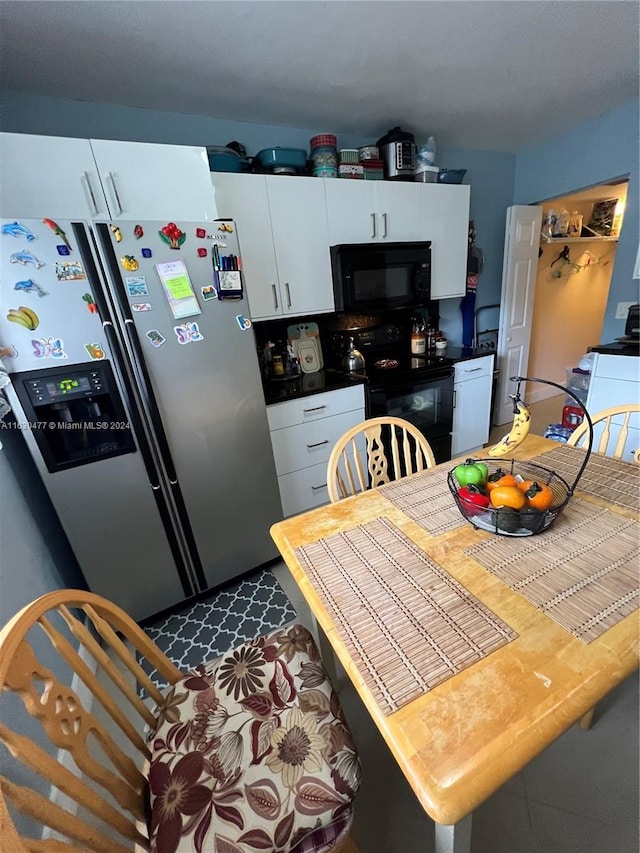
[[426, 498], [582, 571], [604, 477], [408, 625]]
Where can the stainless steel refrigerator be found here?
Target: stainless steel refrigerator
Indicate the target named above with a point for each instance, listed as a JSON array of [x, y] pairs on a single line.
[[135, 383]]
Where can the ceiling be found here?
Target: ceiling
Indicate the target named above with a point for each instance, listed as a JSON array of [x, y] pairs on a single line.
[[489, 75]]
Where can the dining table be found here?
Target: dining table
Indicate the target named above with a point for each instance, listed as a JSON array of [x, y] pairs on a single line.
[[472, 652]]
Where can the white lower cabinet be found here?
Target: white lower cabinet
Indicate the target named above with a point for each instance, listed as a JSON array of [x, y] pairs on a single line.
[[472, 405], [303, 433]]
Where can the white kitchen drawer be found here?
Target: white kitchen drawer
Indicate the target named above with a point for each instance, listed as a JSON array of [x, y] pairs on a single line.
[[305, 489], [303, 445], [618, 367], [474, 368], [315, 407]]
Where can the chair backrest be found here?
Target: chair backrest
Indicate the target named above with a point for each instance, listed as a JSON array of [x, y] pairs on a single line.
[[613, 431], [96, 718], [393, 448]]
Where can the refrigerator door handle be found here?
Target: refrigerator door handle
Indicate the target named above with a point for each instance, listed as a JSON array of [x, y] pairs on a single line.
[[85, 180], [114, 190]]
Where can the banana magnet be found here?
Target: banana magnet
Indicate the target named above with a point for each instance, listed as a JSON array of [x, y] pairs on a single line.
[[25, 317]]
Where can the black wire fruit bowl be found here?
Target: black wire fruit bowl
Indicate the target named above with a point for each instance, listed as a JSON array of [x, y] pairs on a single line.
[[536, 497]]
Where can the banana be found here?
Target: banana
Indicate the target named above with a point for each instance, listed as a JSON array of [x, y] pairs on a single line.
[[518, 432], [18, 317], [32, 316]]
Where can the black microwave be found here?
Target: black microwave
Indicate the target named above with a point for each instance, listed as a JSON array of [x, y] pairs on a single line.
[[381, 276]]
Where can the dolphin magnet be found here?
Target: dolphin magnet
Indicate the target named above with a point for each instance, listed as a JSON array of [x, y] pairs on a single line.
[[25, 258], [30, 286], [17, 229]]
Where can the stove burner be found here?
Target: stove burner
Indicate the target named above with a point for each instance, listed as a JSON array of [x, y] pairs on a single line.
[[386, 363]]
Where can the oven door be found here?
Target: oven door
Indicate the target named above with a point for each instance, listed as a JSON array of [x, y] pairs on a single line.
[[427, 403]]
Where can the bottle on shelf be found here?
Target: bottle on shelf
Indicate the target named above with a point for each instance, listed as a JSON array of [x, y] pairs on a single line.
[[418, 337]]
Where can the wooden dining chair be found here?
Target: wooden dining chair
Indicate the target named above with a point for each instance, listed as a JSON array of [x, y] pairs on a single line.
[[392, 448], [249, 752], [613, 431]]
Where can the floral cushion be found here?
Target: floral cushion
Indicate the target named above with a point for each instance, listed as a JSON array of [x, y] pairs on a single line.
[[252, 753]]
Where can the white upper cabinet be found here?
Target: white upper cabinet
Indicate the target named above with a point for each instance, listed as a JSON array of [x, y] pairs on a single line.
[[446, 225], [301, 241], [149, 181], [49, 176], [284, 243], [243, 198], [56, 176], [397, 211], [374, 211]]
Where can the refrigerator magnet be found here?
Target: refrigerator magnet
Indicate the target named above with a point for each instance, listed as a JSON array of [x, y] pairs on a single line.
[[8, 352], [243, 322], [117, 233], [17, 229], [59, 232], [209, 292], [63, 250], [24, 257], [23, 316], [155, 337], [69, 271], [178, 289], [92, 308], [96, 352], [202, 252], [188, 333], [30, 286], [138, 232], [129, 263], [225, 227], [136, 285], [146, 253], [48, 348], [172, 235], [229, 284], [201, 233], [141, 306]]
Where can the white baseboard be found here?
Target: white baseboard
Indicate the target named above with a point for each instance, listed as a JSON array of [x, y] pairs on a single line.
[[538, 394]]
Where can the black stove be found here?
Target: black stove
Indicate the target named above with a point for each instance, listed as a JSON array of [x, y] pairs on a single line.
[[387, 356]]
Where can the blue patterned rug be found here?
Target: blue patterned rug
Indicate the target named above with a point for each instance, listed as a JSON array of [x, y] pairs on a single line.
[[203, 631]]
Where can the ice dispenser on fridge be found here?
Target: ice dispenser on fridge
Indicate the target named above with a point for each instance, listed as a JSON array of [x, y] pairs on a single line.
[[76, 413]]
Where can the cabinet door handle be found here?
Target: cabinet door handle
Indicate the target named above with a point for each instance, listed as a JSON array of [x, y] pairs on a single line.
[[275, 296], [473, 370], [86, 183], [116, 196], [315, 409], [286, 287], [384, 219], [373, 222], [318, 443], [455, 396], [317, 488]]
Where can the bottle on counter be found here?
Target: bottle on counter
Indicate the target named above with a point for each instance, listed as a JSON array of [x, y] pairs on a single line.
[[418, 337], [278, 366]]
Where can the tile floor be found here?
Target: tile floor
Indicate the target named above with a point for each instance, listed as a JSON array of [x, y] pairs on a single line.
[[580, 795]]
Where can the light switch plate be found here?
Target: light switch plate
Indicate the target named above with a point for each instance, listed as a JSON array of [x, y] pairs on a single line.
[[623, 309]]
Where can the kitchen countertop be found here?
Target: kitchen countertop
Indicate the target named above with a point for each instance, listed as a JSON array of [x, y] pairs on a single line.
[[306, 384], [618, 348]]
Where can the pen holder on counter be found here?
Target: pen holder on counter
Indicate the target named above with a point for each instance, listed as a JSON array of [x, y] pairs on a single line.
[[542, 502]]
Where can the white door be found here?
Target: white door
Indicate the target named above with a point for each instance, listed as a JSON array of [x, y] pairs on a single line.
[[352, 211], [243, 198], [49, 176], [301, 242], [148, 181], [521, 246], [400, 208]]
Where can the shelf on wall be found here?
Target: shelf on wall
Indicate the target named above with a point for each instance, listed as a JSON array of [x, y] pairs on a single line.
[[594, 239]]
